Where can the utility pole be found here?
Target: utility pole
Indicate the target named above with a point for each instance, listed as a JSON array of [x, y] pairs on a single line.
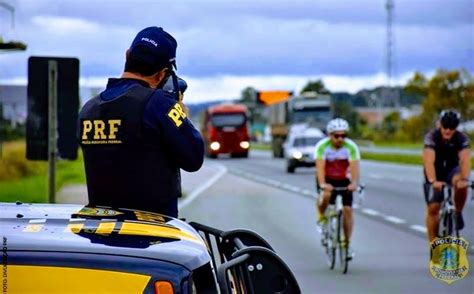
[[393, 97]]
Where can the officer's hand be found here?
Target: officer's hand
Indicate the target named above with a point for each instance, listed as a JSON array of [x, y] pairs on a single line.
[[462, 184], [184, 107], [438, 185]]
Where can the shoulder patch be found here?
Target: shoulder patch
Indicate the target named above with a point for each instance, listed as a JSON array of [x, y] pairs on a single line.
[[177, 114]]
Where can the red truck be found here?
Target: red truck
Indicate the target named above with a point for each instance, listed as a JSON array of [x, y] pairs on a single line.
[[225, 130]]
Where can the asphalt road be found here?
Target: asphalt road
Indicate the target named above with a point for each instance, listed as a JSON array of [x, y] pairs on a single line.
[[391, 249]]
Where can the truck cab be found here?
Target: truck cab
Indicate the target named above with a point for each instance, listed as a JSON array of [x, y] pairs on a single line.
[[225, 130], [309, 108]]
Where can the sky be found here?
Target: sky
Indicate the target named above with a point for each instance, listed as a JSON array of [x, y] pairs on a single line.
[[227, 45]]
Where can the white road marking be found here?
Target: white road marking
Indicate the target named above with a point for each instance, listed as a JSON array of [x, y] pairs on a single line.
[[307, 192], [375, 176], [273, 182], [394, 219], [418, 228], [370, 211], [222, 171], [295, 189]]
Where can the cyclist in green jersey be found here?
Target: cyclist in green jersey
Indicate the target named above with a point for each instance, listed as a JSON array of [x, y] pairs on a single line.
[[337, 165]]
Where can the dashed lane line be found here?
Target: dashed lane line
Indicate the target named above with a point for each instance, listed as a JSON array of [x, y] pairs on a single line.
[[308, 193], [394, 219], [370, 211], [418, 228]]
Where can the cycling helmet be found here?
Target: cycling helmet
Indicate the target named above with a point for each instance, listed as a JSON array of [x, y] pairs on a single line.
[[337, 124], [449, 119]]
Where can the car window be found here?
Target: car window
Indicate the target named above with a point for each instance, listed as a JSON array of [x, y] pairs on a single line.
[[306, 141]]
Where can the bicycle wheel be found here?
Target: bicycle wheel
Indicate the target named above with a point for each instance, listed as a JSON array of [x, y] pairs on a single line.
[[331, 245], [448, 224], [341, 243], [454, 225]]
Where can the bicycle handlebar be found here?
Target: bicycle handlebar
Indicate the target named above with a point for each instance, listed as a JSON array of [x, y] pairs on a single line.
[[359, 189], [447, 185]]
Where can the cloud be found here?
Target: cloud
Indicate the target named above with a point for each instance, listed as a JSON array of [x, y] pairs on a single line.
[[237, 42], [65, 25]]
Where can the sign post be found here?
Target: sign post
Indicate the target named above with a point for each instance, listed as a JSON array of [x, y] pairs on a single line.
[[52, 127], [53, 107]]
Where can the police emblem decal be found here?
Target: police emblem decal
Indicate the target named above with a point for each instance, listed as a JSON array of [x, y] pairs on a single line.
[[98, 132], [449, 262], [177, 114]]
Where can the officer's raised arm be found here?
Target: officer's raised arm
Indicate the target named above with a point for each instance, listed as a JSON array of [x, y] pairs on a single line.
[[183, 140]]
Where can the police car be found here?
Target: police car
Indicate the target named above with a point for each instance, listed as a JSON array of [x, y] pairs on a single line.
[[56, 248]]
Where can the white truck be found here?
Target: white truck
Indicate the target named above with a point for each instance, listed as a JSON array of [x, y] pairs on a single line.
[[310, 108]]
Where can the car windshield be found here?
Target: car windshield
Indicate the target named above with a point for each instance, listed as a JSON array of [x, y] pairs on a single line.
[[317, 114], [228, 120], [306, 141]]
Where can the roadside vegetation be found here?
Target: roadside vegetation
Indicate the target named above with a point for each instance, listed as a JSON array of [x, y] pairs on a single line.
[[26, 181]]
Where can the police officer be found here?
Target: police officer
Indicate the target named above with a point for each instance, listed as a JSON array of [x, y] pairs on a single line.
[[135, 136]]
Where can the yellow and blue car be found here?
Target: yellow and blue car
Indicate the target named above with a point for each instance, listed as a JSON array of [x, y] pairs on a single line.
[[57, 248]]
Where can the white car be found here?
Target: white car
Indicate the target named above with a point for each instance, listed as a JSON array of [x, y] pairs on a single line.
[[299, 148]]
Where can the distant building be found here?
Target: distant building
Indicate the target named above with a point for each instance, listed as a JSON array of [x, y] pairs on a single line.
[[14, 100], [376, 115]]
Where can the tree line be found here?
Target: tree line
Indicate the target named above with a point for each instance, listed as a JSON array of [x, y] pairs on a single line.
[[453, 89]]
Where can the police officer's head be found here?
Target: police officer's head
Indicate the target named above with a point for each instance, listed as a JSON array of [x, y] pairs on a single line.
[[152, 52]]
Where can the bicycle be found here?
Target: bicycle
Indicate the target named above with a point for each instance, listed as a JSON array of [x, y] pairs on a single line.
[[447, 217], [333, 238]]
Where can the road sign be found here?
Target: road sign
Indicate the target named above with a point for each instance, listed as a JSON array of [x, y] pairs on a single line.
[[40, 90]]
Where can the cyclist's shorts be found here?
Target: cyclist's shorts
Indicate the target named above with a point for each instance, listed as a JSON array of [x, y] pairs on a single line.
[[437, 196], [346, 195]]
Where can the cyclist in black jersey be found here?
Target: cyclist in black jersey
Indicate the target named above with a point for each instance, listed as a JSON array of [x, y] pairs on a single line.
[[446, 160]]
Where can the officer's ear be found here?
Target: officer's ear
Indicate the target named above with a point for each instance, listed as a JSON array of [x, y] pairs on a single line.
[[164, 73], [160, 77], [127, 53]]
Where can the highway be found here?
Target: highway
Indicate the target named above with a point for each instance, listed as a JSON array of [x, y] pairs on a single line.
[[389, 239]]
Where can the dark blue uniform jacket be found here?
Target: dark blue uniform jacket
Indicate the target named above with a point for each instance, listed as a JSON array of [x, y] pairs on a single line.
[[135, 139]]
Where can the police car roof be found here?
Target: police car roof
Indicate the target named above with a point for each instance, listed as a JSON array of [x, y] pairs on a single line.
[[84, 229]]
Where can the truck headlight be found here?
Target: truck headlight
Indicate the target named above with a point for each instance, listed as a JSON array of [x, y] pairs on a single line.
[[245, 144], [297, 155], [215, 146]]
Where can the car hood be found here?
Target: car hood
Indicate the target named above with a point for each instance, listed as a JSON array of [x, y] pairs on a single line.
[[103, 230]]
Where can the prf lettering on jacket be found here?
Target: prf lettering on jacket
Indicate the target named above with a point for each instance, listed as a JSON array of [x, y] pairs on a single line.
[[100, 132], [177, 114]]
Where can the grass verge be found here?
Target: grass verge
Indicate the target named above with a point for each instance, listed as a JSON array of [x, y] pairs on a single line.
[[398, 158], [35, 188], [26, 181], [395, 158]]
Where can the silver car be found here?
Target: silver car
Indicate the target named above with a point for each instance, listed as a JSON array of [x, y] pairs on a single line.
[[299, 148]]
